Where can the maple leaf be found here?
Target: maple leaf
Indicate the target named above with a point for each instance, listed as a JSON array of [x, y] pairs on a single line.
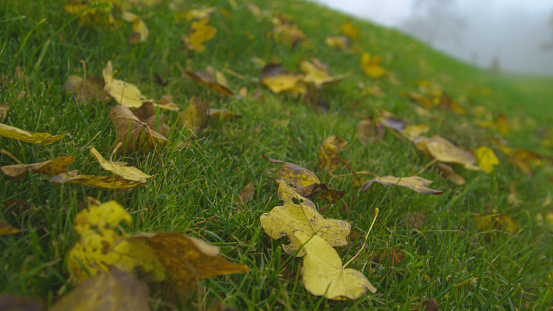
[[415, 183], [323, 273], [28, 137], [199, 33], [302, 216], [371, 65]]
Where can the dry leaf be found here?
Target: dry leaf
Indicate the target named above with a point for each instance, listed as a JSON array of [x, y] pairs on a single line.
[[199, 33], [139, 28], [246, 195], [147, 113], [371, 65], [108, 291], [369, 131], [134, 134], [429, 305], [388, 256], [187, 259], [486, 158], [195, 116], [207, 80], [299, 214], [285, 31], [6, 228], [85, 90], [200, 13], [222, 114], [323, 273], [278, 81], [126, 172], [445, 151], [107, 182], [317, 73], [50, 167], [415, 183], [328, 152], [449, 173], [28, 137]]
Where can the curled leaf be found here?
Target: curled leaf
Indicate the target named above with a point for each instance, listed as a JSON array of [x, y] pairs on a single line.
[[445, 151], [328, 152], [28, 137], [50, 167], [415, 183], [207, 80], [195, 115]]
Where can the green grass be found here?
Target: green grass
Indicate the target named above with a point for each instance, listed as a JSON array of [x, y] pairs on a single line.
[[448, 258]]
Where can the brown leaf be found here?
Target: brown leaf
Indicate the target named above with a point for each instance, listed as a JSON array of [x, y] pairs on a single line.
[[134, 134], [246, 195], [370, 132], [147, 113], [107, 182], [13, 204], [415, 183], [85, 90], [222, 114], [430, 305], [328, 152], [195, 115], [388, 256], [9, 302], [449, 173], [50, 167], [4, 108], [187, 259], [414, 220], [207, 80], [107, 291]]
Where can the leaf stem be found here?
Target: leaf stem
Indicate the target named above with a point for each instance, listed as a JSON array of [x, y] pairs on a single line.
[[365, 242]]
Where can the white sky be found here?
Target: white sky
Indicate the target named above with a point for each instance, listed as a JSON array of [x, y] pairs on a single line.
[[512, 30]]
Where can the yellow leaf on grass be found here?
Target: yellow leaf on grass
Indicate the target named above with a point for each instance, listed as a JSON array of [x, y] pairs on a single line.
[[28, 137], [285, 31], [121, 170], [350, 30], [489, 222], [6, 228], [100, 247], [445, 151], [371, 65], [195, 116], [222, 114], [299, 214], [115, 290], [207, 80], [85, 90], [278, 81], [415, 183], [199, 33], [200, 13], [317, 73], [337, 42], [139, 28], [328, 152], [107, 182], [323, 273], [187, 259], [50, 167], [486, 158]]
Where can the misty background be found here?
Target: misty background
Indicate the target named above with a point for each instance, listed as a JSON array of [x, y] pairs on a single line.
[[516, 35]]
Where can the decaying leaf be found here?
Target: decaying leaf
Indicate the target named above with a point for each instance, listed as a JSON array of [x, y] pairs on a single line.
[[6, 228], [414, 220], [323, 273], [388, 256], [134, 134], [445, 151], [28, 137], [207, 80], [328, 152], [147, 113], [107, 291], [139, 28], [299, 214], [489, 222], [86, 90], [188, 259], [486, 158], [199, 33], [449, 173], [100, 247], [371, 65], [415, 183], [195, 116], [50, 167]]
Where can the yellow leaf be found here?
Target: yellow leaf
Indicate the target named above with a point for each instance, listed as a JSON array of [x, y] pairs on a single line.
[[28, 137], [337, 42], [50, 167], [85, 90], [489, 222], [6, 228], [200, 13], [116, 290], [371, 65], [323, 273], [301, 216], [134, 134], [199, 33], [107, 182], [328, 152], [415, 183], [195, 116], [412, 131], [501, 124], [139, 28], [486, 158], [100, 247], [285, 31], [126, 172], [187, 259], [317, 73], [222, 114], [349, 30], [445, 151], [207, 80]]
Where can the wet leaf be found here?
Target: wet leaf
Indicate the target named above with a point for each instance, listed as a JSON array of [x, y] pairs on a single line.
[[415, 183], [6, 228], [207, 80], [486, 158], [323, 273], [134, 134], [50, 167], [445, 151], [107, 291], [299, 214], [187, 259], [199, 33], [28, 137], [328, 152], [371, 65], [195, 116]]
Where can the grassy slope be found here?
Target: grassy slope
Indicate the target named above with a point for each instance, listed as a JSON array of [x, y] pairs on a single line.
[[450, 260]]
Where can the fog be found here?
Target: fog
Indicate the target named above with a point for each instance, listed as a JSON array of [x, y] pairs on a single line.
[[511, 31]]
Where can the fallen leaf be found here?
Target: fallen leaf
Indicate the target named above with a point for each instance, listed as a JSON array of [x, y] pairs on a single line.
[[430, 305], [317, 73], [337, 42], [388, 256], [299, 214], [199, 33], [107, 291], [285, 31], [147, 113], [371, 65], [486, 158], [4, 108], [139, 28], [501, 124], [207, 80], [134, 134], [187, 259], [6, 228], [107, 182], [195, 116], [9, 302], [86, 90], [445, 151], [449, 173], [350, 30], [200, 13], [414, 220], [15, 205], [369, 131], [28, 137], [246, 195], [415, 183], [489, 222], [50, 167], [323, 273], [222, 114], [278, 81], [130, 173], [446, 102], [328, 152]]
